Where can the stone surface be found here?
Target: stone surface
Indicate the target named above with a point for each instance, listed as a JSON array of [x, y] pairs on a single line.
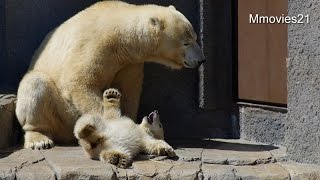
[[263, 171], [238, 153], [302, 171], [218, 172], [262, 125], [303, 122], [40, 170], [18, 161], [187, 171], [7, 120], [279, 154], [189, 154], [192, 163], [151, 168], [71, 163]]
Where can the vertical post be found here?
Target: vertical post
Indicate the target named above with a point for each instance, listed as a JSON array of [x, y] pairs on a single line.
[[2, 41], [217, 42]]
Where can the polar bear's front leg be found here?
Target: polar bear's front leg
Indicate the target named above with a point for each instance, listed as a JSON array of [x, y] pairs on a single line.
[[129, 81], [38, 107], [37, 140], [87, 100]]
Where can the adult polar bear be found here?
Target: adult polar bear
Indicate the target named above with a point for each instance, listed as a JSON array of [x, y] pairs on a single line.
[[103, 46]]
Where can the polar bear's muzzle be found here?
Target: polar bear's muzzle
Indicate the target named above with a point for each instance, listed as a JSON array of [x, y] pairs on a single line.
[[193, 56]]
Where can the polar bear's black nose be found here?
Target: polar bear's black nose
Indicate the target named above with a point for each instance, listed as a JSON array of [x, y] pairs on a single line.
[[202, 61]]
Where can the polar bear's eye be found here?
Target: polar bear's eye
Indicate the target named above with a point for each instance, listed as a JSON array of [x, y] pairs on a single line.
[[186, 44]]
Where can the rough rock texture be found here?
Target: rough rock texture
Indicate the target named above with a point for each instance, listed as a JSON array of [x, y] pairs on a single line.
[[237, 154], [191, 163], [264, 171], [7, 120], [12, 165], [302, 171], [36, 170], [261, 125], [302, 137], [218, 172], [71, 163]]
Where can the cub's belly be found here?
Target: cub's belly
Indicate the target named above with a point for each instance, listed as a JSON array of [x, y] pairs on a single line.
[[125, 138]]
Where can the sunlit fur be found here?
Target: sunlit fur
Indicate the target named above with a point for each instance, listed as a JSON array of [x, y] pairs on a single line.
[[103, 46], [116, 139]]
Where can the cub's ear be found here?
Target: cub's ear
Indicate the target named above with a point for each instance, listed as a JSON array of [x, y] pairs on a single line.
[[172, 7], [156, 23]]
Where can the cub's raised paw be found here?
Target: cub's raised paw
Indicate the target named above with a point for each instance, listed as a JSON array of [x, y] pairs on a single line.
[[111, 94], [35, 140]]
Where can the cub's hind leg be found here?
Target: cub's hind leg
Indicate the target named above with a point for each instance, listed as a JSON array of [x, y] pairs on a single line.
[[117, 158], [88, 128], [85, 126]]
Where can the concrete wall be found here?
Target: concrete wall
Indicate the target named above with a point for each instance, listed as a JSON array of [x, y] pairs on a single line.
[[298, 129], [303, 134], [263, 124]]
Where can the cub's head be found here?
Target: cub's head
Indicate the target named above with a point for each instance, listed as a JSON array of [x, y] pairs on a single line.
[[152, 125], [177, 45]]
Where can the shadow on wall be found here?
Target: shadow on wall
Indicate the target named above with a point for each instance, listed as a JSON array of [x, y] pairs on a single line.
[[26, 25]]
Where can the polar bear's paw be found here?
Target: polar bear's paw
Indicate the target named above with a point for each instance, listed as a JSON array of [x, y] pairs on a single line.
[[36, 140]]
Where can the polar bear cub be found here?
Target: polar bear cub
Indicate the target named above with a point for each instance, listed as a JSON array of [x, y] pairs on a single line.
[[116, 139]]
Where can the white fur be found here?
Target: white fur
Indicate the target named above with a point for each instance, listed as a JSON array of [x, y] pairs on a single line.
[[102, 46], [111, 132]]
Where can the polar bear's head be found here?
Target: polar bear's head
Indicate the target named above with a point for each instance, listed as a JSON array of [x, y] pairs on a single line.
[[152, 125], [177, 45]]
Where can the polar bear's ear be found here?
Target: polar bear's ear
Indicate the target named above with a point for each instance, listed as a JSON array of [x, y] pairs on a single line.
[[172, 7], [156, 23]]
